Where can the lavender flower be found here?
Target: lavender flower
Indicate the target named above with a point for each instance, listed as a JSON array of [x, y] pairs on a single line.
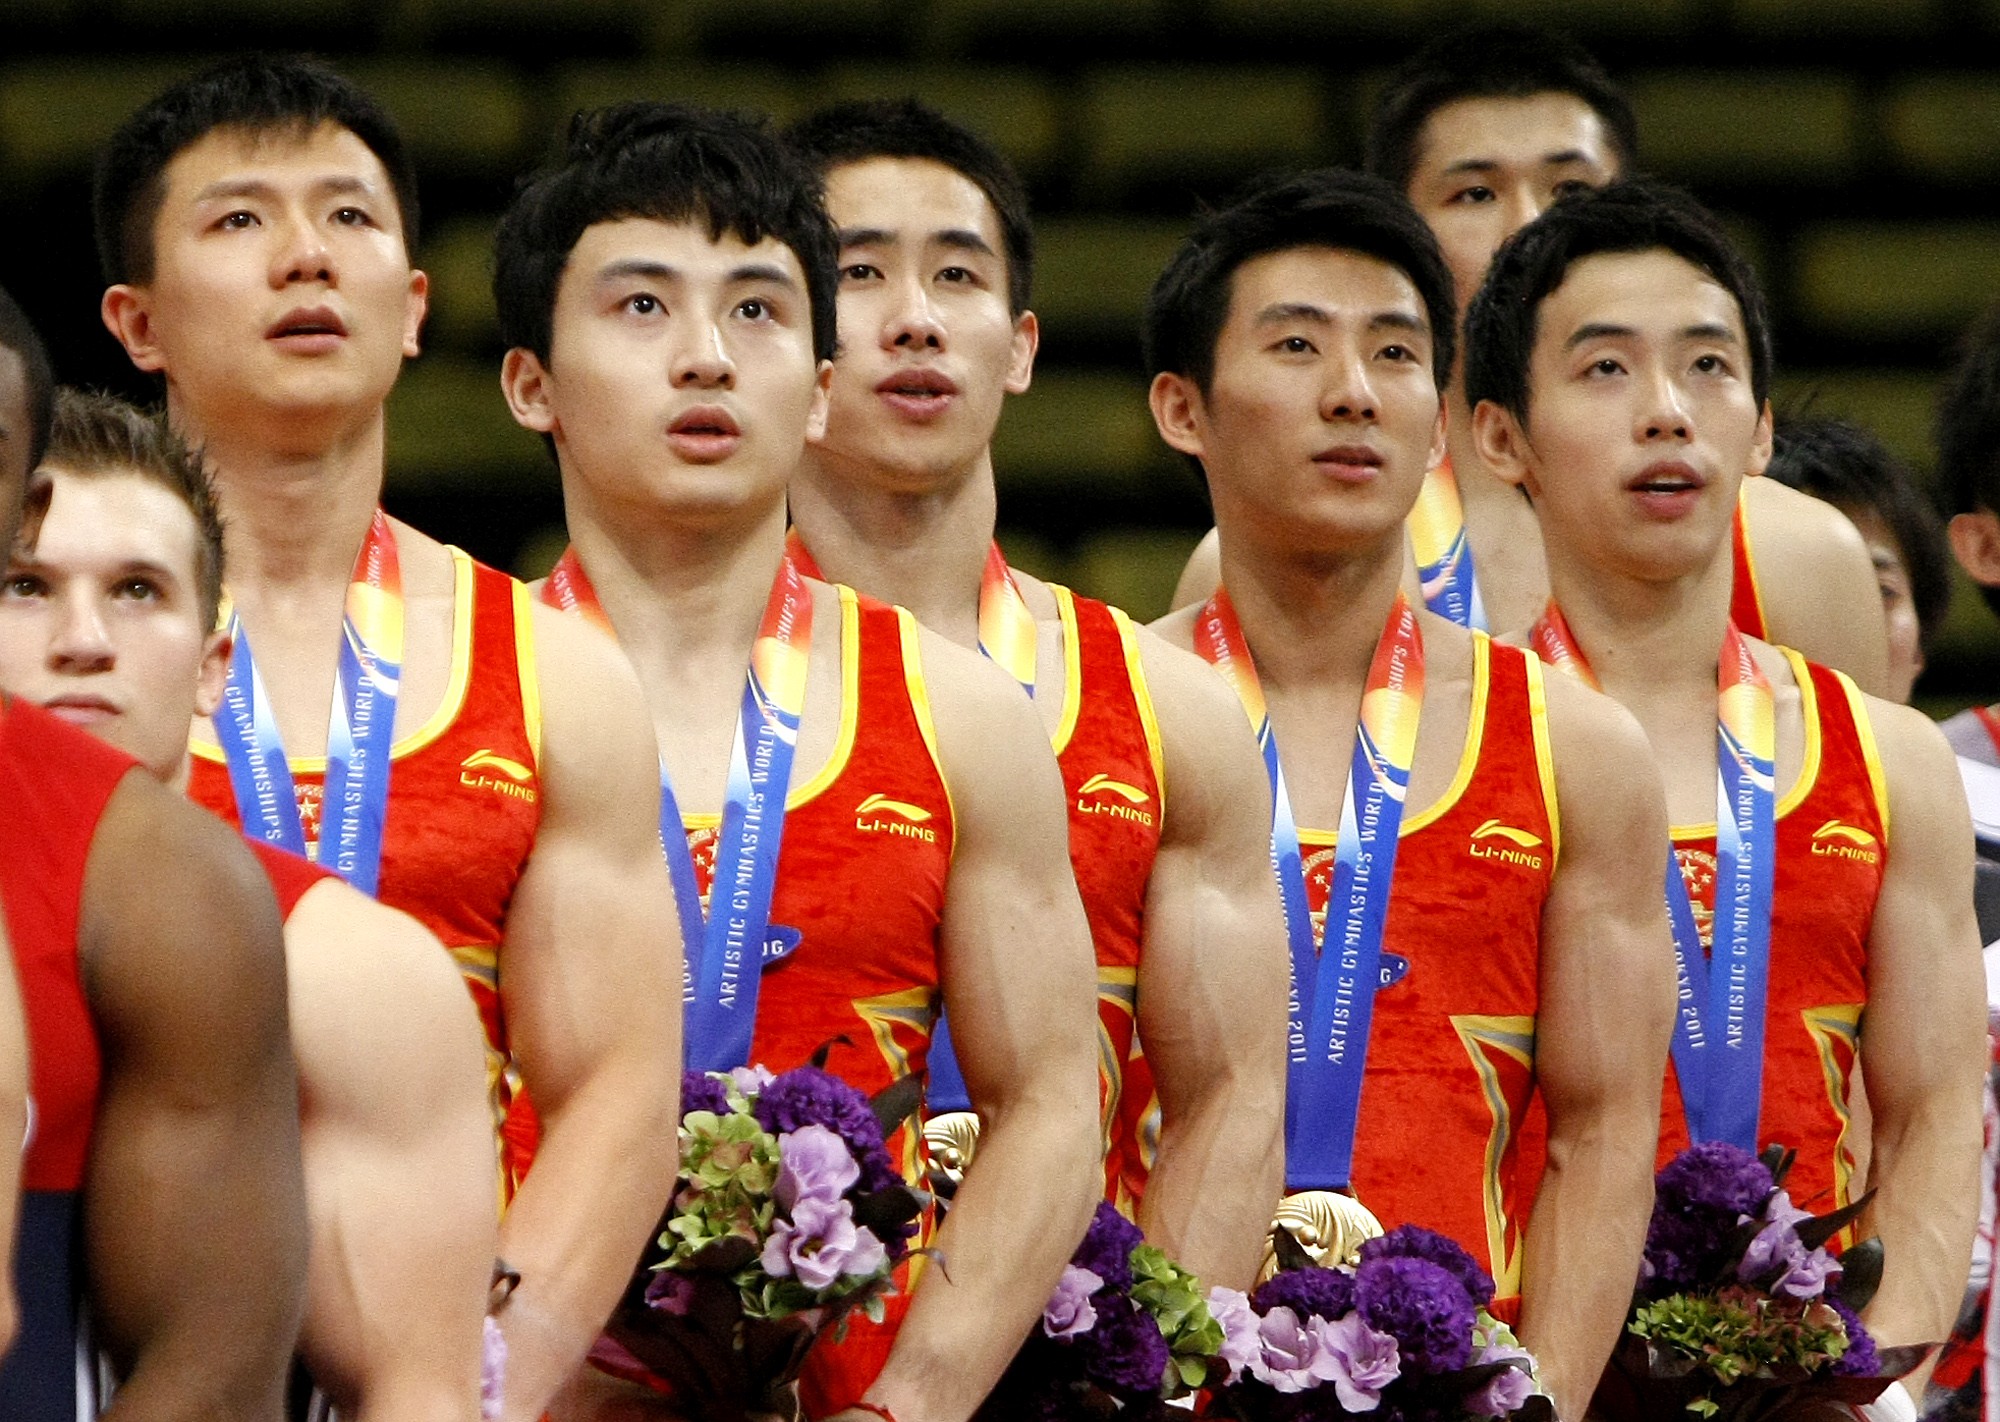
[[1125, 1352], [1504, 1392], [1414, 1242], [1068, 1311], [1364, 1361], [1420, 1304], [820, 1243], [1233, 1315], [813, 1164], [1716, 1176], [670, 1292], [1323, 1293], [1700, 1196], [1860, 1360], [750, 1080], [1777, 1251], [702, 1092], [1107, 1247], [807, 1096], [1291, 1357]]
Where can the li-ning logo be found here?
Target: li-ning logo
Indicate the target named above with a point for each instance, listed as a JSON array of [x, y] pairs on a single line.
[[1515, 850], [511, 778], [1834, 840], [1114, 790], [903, 819]]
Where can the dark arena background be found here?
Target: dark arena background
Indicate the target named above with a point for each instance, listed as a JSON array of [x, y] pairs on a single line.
[[1854, 145]]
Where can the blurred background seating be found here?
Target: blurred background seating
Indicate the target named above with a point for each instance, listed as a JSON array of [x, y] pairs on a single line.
[[1851, 144]]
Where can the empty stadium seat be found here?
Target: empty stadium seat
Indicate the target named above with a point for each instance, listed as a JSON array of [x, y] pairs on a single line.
[[459, 258], [1014, 109], [1092, 274], [1880, 279], [1134, 568], [1151, 123], [1076, 427], [767, 90], [1946, 127], [1747, 127], [449, 429]]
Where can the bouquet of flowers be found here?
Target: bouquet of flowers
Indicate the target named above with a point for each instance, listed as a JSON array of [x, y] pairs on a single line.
[[1741, 1308], [1126, 1330], [1403, 1335], [787, 1214]]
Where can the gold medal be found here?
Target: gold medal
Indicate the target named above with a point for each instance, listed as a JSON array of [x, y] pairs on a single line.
[[952, 1139], [1329, 1227]]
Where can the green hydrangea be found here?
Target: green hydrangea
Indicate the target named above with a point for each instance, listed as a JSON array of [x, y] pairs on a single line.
[[729, 1165], [1177, 1304], [1739, 1333]]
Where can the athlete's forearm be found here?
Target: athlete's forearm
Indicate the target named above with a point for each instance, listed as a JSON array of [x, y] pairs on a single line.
[[579, 1223], [1925, 1172], [1584, 1243], [1016, 1220], [1218, 1175]]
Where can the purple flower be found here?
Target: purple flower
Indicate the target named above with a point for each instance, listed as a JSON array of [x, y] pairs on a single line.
[[1291, 1356], [492, 1370], [820, 1243], [702, 1092], [1414, 1242], [1777, 1251], [750, 1080], [1364, 1361], [1232, 1313], [807, 1096], [1504, 1392], [669, 1292], [1420, 1304], [1107, 1247], [1068, 1311], [1700, 1196], [1716, 1176], [1323, 1293], [1860, 1359], [1126, 1352], [813, 1164]]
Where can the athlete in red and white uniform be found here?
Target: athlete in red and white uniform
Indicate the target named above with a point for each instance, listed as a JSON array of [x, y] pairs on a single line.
[[104, 619], [252, 222], [163, 1178], [1521, 908], [1619, 366], [677, 371], [1167, 804], [1482, 130]]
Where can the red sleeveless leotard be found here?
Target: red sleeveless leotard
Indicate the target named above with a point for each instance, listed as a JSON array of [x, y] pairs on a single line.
[[463, 811], [1451, 1060], [1833, 834], [1108, 747], [55, 782], [291, 877], [1746, 599]]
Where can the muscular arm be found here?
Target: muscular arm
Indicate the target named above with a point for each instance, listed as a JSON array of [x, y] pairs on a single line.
[[1021, 986], [1606, 1012], [1212, 982], [1817, 582], [13, 1126], [590, 986], [194, 1207], [400, 1175], [1922, 1038]]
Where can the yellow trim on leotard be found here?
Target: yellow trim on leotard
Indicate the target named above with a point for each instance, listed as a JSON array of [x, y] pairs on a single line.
[[1475, 736], [850, 701], [454, 691], [920, 705], [526, 665], [1878, 779], [1072, 655], [1545, 761], [1808, 766], [1142, 696]]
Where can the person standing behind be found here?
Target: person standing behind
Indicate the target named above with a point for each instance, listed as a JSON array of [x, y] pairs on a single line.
[[486, 766]]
